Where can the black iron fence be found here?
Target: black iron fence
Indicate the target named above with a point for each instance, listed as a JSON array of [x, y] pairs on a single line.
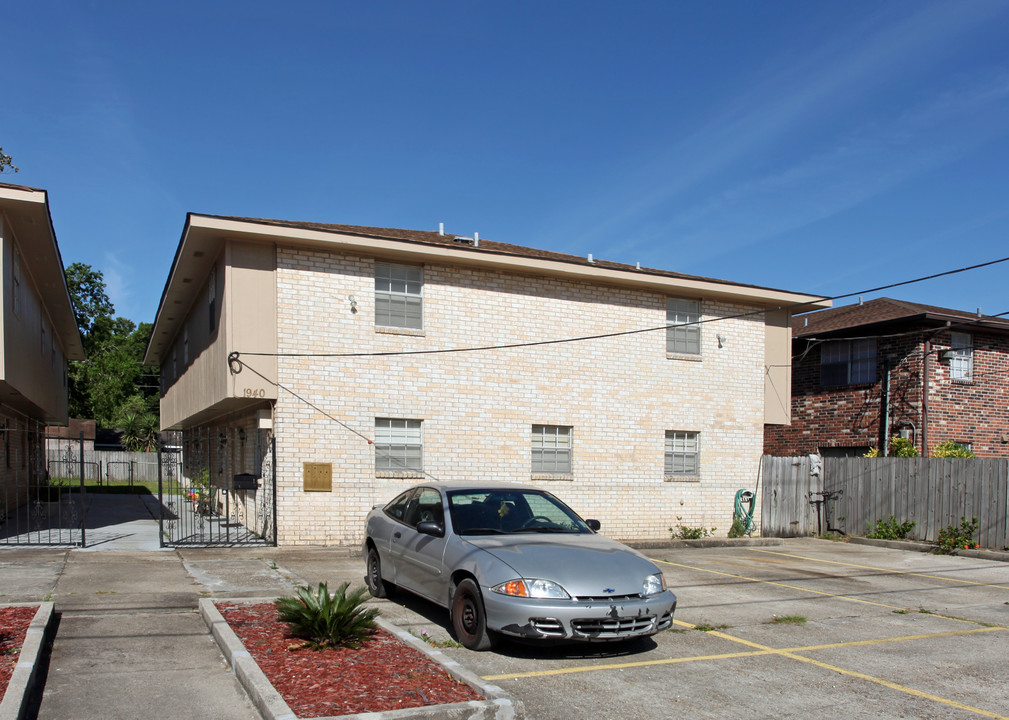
[[217, 487], [40, 504]]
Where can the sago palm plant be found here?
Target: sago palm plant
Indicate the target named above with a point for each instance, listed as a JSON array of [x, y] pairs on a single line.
[[323, 620]]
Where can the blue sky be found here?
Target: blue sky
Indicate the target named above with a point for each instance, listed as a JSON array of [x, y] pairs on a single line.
[[817, 147]]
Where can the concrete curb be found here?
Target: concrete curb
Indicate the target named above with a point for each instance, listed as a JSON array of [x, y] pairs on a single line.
[[929, 547], [703, 543], [14, 704], [498, 705]]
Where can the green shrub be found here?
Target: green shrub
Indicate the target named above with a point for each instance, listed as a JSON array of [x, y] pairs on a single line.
[[322, 620], [899, 447], [951, 449], [953, 538], [738, 528], [683, 532], [891, 529]]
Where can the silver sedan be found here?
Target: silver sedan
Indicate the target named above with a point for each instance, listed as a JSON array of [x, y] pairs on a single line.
[[513, 560]]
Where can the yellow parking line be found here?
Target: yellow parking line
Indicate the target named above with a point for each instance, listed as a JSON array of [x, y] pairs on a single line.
[[727, 656], [883, 570], [870, 678], [779, 584]]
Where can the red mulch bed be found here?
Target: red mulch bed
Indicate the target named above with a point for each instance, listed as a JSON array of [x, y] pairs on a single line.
[[385, 674], [14, 623]]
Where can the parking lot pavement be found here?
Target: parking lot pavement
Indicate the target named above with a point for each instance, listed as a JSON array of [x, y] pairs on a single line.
[[807, 629]]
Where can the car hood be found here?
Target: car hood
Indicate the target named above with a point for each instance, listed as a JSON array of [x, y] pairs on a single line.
[[584, 565]]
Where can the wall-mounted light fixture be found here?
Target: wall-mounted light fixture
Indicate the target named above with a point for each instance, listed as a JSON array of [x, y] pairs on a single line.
[[948, 355], [721, 340], [353, 303]]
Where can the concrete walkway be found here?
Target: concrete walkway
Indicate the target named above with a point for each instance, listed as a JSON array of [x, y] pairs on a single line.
[[130, 642]]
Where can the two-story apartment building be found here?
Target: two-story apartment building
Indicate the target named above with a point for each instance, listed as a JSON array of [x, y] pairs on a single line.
[[379, 357], [887, 368], [39, 335]]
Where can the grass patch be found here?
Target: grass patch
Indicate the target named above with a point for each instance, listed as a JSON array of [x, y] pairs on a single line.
[[788, 620], [707, 627]]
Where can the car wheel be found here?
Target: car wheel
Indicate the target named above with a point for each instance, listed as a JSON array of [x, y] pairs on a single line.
[[376, 585], [469, 619]]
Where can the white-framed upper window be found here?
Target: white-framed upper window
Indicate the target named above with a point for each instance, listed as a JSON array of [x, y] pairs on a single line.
[[399, 295], [683, 452], [848, 362], [961, 363], [683, 336], [399, 445], [551, 449]]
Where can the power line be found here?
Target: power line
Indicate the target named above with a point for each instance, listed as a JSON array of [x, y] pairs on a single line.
[[622, 333]]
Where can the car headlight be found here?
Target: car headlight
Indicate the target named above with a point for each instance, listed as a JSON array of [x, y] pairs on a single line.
[[653, 584], [531, 589]]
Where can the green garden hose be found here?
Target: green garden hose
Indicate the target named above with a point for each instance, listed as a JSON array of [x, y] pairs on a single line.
[[744, 514]]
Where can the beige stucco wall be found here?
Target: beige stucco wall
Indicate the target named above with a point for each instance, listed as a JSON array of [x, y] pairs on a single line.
[[33, 371], [245, 321], [778, 362], [619, 394]]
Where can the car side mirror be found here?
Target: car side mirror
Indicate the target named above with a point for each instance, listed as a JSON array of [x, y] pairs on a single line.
[[431, 528], [594, 525]]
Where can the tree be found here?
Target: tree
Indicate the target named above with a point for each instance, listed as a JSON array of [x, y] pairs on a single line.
[[111, 384], [87, 290], [6, 162]]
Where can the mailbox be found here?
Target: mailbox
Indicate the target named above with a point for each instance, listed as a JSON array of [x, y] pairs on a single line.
[[245, 481]]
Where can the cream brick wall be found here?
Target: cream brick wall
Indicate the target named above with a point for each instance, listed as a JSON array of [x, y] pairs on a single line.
[[618, 394]]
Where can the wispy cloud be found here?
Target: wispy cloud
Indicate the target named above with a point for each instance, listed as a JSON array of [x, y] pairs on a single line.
[[793, 126]]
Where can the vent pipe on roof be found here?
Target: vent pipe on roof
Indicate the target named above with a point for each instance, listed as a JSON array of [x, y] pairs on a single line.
[[859, 299], [441, 228], [979, 312], [805, 322], [590, 258], [476, 239], [637, 265]]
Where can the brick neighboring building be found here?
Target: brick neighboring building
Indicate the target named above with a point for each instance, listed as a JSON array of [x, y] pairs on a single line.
[[644, 431], [948, 375]]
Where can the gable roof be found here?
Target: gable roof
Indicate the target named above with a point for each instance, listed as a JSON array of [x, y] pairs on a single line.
[[887, 312], [204, 235], [26, 209]]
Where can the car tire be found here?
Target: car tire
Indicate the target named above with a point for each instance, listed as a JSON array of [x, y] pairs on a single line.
[[469, 620], [376, 585]]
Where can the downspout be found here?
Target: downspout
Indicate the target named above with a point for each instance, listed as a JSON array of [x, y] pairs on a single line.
[[886, 412], [924, 397]]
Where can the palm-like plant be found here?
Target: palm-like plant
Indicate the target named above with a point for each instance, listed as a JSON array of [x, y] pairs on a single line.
[[323, 620]]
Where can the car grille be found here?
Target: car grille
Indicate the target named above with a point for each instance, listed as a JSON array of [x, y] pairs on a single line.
[[608, 598], [548, 627], [614, 628]]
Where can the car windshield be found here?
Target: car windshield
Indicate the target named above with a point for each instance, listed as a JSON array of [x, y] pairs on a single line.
[[496, 512]]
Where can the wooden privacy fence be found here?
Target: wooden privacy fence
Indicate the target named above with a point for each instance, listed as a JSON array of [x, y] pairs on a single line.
[[810, 495]]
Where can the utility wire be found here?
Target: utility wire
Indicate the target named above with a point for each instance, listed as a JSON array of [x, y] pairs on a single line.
[[602, 336]]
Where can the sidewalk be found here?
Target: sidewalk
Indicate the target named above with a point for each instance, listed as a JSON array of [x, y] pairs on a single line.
[[130, 642]]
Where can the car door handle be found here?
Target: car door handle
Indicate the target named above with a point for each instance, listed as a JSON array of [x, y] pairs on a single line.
[[397, 534]]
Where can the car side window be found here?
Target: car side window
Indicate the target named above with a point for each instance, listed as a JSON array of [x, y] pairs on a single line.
[[398, 507], [426, 507]]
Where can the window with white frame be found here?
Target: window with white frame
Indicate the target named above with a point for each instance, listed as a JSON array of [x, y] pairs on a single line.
[[399, 300], [848, 362], [399, 445], [683, 453], [683, 336], [961, 362], [551, 450]]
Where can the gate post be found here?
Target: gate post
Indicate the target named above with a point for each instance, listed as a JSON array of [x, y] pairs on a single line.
[[84, 498], [161, 498], [273, 477]]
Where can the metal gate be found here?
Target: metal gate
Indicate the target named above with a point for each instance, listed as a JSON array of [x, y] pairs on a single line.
[[216, 487], [42, 493]]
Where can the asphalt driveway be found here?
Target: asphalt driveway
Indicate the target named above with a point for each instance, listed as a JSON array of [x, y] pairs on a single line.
[[806, 629]]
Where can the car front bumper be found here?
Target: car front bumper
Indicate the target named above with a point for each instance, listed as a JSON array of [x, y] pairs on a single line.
[[592, 620]]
